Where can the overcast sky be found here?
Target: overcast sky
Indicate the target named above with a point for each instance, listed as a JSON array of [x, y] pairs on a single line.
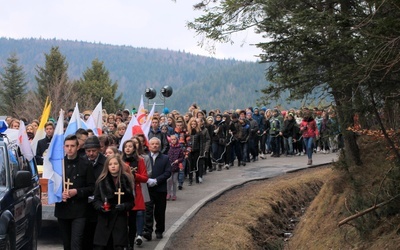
[[159, 24]]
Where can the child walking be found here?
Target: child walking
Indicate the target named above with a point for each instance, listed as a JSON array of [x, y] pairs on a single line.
[[113, 198], [176, 157]]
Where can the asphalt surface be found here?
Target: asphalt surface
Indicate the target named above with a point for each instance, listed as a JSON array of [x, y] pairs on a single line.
[[192, 198]]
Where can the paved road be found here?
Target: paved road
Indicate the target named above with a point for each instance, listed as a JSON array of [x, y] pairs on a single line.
[[192, 198]]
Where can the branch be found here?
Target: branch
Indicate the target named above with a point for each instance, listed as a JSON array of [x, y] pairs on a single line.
[[350, 218], [390, 142], [381, 184]]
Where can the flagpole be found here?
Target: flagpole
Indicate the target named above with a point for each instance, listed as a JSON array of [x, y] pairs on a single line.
[[63, 175]]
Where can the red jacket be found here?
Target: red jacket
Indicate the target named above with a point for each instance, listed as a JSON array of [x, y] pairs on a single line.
[[308, 127], [140, 177]]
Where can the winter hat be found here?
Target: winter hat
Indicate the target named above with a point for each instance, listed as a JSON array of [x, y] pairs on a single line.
[[92, 142]]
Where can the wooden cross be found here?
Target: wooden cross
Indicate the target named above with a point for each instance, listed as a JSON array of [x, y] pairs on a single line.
[[119, 193], [68, 184]]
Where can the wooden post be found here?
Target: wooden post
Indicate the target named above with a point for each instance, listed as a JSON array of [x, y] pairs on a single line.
[[119, 193]]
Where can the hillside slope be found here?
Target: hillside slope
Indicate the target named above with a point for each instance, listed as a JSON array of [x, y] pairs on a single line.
[[207, 81], [302, 210]]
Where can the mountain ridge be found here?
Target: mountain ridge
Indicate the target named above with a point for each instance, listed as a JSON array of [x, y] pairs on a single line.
[[210, 82]]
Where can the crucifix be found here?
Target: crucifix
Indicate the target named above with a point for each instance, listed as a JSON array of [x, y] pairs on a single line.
[[119, 193], [67, 185]]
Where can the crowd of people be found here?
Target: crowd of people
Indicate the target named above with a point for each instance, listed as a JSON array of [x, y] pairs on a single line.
[[115, 199]]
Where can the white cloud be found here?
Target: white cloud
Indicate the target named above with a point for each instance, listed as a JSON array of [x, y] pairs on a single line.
[[150, 24]]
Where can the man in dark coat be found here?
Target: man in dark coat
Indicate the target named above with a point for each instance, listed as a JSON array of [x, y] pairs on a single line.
[[97, 160], [157, 183], [71, 212], [155, 131], [236, 128], [252, 143], [44, 143]]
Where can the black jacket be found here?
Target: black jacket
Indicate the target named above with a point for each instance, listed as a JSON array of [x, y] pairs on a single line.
[[42, 145], [113, 223], [289, 129], [80, 173], [97, 168]]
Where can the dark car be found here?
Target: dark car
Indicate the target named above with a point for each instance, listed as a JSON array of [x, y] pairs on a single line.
[[20, 201]]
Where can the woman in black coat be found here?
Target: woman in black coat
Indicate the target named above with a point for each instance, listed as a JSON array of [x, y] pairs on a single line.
[[289, 133], [112, 225]]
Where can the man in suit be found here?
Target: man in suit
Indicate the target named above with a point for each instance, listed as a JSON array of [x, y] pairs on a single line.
[[157, 183], [44, 143], [71, 212]]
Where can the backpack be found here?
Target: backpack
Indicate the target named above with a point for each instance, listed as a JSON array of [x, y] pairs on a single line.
[[275, 125]]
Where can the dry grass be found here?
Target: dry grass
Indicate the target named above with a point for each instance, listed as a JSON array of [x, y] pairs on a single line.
[[256, 215], [253, 216], [345, 194]]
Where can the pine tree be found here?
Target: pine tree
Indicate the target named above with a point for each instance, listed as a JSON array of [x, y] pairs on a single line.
[[96, 84], [13, 87], [52, 80]]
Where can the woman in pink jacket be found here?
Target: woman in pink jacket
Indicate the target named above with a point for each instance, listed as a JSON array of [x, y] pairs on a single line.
[[309, 130]]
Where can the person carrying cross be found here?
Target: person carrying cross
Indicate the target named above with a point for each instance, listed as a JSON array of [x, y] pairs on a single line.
[[78, 186], [114, 187]]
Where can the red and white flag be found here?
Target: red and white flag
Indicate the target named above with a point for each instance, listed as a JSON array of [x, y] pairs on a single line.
[[141, 115], [24, 143], [95, 121]]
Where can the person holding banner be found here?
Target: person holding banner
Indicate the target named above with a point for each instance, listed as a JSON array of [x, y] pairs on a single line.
[[113, 198], [78, 186]]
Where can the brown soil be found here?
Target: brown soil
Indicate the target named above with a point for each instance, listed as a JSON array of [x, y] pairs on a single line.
[[257, 215]]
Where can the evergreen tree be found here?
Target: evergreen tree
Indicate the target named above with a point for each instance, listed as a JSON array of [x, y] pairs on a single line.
[[13, 87], [52, 80], [312, 47], [96, 84], [54, 71]]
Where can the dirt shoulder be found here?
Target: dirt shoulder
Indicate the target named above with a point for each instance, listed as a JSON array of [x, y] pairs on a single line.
[[257, 215]]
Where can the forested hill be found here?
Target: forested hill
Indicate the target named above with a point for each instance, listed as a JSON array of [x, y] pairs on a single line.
[[207, 81]]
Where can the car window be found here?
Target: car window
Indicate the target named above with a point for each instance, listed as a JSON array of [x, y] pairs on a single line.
[[3, 169]]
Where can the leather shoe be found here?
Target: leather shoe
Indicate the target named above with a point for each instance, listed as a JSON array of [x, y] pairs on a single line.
[[147, 235], [159, 235]]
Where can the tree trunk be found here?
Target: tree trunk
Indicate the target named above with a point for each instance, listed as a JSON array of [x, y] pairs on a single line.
[[345, 113]]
